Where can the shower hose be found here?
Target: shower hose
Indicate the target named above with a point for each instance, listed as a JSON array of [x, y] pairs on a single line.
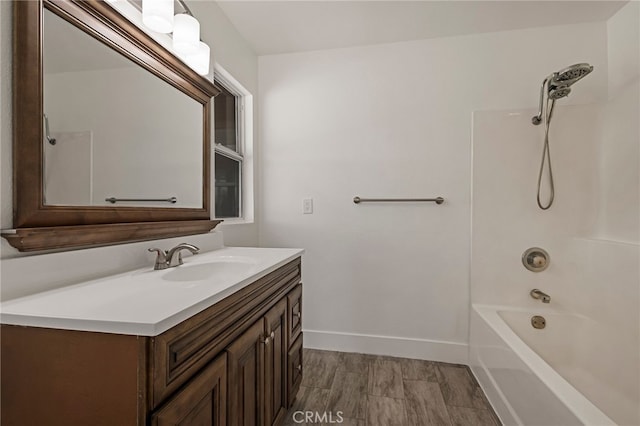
[[546, 156]]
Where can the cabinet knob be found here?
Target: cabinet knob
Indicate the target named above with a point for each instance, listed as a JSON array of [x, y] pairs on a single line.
[[299, 314], [299, 367], [268, 338]]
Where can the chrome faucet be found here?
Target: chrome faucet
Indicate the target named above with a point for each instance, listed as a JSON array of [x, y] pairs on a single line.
[[173, 257], [540, 295]]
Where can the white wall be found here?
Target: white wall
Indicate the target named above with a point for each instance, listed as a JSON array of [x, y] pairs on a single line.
[[229, 49], [394, 121]]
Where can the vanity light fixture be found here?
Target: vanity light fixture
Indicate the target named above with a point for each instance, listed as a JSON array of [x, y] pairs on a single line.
[[186, 34], [157, 15]]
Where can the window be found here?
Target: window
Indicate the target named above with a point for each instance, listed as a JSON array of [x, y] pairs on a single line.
[[229, 150]]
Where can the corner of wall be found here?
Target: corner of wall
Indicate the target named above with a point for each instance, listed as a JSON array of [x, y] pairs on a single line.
[[623, 47]]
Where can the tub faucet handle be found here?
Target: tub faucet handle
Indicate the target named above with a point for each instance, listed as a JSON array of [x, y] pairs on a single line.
[[539, 261], [540, 295], [535, 259]]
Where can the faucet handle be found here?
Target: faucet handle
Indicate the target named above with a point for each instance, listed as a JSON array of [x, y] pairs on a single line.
[[161, 258]]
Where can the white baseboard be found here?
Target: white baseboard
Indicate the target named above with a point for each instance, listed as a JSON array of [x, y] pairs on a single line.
[[432, 350]]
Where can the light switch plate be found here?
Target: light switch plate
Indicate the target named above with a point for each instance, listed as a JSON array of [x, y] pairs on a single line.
[[307, 206]]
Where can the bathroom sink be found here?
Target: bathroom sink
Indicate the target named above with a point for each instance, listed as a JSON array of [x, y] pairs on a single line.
[[220, 268]]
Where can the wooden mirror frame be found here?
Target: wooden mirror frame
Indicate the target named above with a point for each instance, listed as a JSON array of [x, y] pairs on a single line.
[[39, 226]]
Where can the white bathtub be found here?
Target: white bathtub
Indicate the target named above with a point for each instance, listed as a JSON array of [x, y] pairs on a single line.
[[573, 372]]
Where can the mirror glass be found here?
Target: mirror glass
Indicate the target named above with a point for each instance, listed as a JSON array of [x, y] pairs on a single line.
[[114, 130]]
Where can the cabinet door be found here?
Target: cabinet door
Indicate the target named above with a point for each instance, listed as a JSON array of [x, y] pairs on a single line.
[[203, 402], [276, 364], [245, 357]]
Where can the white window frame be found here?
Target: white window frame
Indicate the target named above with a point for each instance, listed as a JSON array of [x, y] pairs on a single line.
[[244, 144]]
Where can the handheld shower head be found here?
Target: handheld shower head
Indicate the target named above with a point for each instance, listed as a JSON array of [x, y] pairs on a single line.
[[557, 85], [558, 92]]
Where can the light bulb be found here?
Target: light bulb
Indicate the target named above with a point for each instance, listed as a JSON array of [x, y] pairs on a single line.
[[186, 34], [200, 60], [157, 15]]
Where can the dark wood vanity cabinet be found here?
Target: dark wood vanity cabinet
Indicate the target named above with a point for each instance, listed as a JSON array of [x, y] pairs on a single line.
[[232, 364]]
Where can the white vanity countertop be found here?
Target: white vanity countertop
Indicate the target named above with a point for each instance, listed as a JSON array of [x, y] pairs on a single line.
[[146, 302]]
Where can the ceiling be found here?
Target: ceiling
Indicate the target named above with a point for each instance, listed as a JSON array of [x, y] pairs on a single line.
[[273, 27]]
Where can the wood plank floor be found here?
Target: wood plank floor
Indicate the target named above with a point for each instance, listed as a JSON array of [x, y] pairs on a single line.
[[371, 390]]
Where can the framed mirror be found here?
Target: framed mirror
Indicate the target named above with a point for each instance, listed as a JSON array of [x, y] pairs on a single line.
[[111, 131]]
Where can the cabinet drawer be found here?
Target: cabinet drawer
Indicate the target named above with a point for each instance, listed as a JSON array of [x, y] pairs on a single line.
[[294, 313], [294, 370]]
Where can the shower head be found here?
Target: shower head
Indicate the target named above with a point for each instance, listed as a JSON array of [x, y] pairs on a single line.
[[558, 92], [557, 85], [571, 75]]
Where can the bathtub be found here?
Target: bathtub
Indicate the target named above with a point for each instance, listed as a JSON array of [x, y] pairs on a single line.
[[572, 372]]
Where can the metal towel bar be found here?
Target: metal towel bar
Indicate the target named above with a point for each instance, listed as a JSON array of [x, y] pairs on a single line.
[[358, 200], [114, 200]]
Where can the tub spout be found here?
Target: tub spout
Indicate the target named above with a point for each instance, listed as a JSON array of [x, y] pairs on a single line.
[[540, 295]]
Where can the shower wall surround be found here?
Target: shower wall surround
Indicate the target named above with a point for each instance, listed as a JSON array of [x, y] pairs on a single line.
[[505, 217], [591, 232], [620, 148], [590, 273]]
